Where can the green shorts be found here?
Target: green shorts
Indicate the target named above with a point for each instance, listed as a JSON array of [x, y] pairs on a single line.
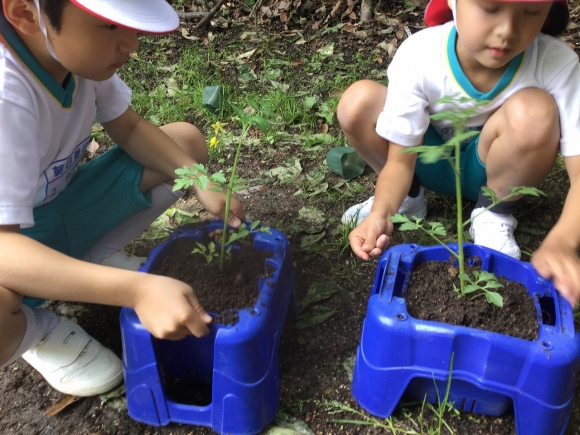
[[440, 177], [102, 194]]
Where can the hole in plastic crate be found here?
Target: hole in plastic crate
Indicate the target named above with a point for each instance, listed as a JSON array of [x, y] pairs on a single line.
[[401, 316], [473, 406], [186, 369], [398, 284], [547, 345], [548, 309]]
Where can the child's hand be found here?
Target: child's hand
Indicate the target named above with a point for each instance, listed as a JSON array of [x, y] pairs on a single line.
[[558, 261], [169, 309], [370, 237], [215, 203]]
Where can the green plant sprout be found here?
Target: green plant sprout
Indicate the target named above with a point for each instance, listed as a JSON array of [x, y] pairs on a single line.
[[450, 151], [208, 251], [199, 174]]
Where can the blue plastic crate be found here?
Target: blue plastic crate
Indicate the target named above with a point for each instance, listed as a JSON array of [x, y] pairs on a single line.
[[238, 363], [492, 373]]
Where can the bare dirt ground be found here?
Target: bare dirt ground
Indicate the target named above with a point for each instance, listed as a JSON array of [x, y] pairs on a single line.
[[315, 361]]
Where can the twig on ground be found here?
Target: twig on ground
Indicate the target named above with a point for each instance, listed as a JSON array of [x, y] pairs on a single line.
[[191, 16], [209, 15]]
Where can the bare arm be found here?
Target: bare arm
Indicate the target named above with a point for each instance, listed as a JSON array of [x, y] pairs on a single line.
[[167, 308], [154, 149], [147, 144], [372, 235], [557, 256]]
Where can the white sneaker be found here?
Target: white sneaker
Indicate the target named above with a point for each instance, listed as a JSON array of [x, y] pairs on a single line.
[[410, 207], [495, 231], [122, 260], [74, 363]]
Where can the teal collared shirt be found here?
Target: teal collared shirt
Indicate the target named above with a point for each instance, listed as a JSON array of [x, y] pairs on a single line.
[[462, 80], [63, 94]]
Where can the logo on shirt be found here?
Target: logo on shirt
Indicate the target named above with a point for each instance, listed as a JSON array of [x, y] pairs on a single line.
[[60, 172]]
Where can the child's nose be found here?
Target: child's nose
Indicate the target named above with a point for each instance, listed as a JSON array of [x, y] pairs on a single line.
[[130, 41], [508, 26]]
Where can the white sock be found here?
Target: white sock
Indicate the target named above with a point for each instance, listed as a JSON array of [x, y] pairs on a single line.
[[39, 323], [162, 197]]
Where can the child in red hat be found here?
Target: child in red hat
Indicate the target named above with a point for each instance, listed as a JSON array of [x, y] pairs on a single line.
[[504, 52]]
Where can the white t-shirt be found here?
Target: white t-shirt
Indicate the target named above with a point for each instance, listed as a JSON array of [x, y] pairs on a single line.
[[45, 127], [425, 69]]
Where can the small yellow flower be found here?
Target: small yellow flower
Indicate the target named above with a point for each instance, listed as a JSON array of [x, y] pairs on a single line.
[[218, 127], [213, 142]]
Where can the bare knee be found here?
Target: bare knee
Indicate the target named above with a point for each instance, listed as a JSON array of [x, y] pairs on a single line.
[[533, 120], [189, 139], [360, 105], [9, 302]]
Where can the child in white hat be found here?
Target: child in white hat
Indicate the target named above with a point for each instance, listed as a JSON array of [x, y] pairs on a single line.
[[58, 63], [505, 52]]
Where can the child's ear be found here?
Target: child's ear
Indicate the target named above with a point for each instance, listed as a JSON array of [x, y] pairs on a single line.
[[22, 14]]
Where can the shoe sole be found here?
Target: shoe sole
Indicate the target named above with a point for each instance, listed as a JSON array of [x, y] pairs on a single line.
[[93, 391]]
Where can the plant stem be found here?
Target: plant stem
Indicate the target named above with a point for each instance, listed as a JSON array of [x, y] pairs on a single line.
[[451, 251], [229, 193], [461, 258]]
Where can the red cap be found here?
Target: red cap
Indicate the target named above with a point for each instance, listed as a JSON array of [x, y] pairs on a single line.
[[438, 11]]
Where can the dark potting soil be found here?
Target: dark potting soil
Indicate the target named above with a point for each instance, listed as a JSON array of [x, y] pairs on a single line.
[[221, 292], [430, 296]]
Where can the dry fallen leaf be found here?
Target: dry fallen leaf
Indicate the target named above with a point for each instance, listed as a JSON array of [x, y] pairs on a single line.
[[92, 148], [185, 34], [61, 404]]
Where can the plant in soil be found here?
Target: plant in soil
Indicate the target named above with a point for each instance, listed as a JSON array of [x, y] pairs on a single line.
[[483, 283], [199, 174]]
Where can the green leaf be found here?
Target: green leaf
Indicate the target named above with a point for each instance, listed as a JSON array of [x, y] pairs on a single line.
[[524, 190], [219, 178], [327, 50], [487, 192], [310, 102], [202, 181], [241, 114], [486, 276], [494, 298], [399, 218], [263, 125], [461, 137], [432, 155], [319, 291], [182, 183], [493, 284], [184, 171], [470, 288], [409, 226], [310, 240], [345, 162], [237, 235], [314, 316], [246, 74]]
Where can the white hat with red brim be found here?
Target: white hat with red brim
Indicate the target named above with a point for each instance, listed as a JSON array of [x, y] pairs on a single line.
[[145, 16]]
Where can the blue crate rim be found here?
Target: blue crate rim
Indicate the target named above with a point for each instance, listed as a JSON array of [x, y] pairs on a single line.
[[544, 331]]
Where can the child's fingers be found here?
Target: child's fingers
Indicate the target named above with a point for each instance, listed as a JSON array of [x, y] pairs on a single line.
[[198, 321]]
